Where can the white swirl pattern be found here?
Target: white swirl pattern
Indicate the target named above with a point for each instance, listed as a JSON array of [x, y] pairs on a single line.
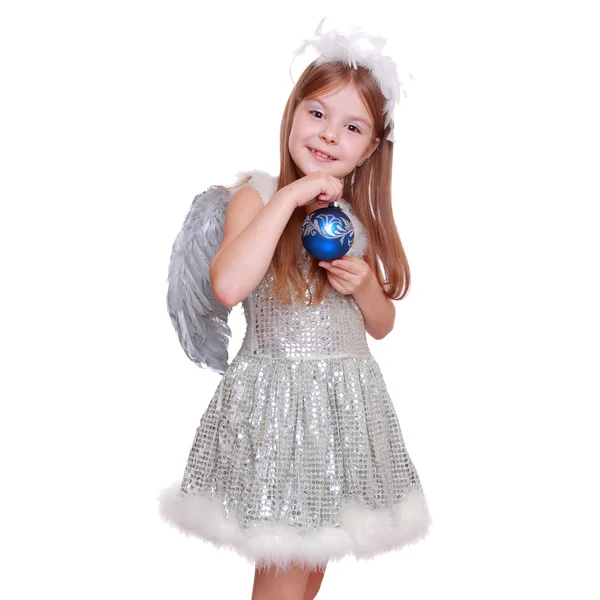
[[330, 227]]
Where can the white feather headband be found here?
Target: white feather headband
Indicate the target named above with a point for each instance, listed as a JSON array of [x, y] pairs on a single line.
[[337, 47]]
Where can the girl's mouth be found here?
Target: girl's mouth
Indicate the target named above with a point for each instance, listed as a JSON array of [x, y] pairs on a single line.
[[321, 157]]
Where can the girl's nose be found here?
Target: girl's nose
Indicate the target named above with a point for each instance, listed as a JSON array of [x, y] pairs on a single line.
[[329, 135]]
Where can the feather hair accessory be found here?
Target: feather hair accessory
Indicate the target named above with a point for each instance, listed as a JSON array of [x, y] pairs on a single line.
[[334, 46]]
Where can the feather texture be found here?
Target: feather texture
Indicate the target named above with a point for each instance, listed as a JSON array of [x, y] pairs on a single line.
[[359, 48], [198, 317], [264, 183], [361, 238]]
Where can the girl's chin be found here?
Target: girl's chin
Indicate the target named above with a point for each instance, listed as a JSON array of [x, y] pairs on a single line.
[[315, 167]]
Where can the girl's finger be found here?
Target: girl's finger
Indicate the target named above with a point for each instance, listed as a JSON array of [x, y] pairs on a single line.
[[342, 265], [342, 274]]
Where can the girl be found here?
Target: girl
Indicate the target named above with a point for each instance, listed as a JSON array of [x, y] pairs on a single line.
[[299, 458]]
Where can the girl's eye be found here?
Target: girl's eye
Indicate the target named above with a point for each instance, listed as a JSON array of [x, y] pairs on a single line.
[[319, 112]]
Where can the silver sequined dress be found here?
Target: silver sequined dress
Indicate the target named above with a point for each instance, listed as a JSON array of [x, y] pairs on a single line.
[[299, 456]]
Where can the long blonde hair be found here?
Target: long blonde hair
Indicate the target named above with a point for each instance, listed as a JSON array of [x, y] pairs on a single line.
[[367, 189]]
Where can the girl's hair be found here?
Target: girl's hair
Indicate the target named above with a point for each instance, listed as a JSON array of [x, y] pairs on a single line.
[[367, 189]]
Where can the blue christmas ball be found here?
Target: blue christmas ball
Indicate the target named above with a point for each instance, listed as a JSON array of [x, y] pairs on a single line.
[[327, 233]]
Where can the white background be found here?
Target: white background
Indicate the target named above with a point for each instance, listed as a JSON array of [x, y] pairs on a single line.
[[116, 114]]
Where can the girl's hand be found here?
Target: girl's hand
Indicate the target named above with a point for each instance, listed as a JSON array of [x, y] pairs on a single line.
[[348, 274], [316, 187]]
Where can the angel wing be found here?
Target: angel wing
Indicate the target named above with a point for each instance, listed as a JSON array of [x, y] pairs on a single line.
[[198, 317]]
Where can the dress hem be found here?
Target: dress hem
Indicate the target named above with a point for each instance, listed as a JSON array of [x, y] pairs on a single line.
[[363, 532]]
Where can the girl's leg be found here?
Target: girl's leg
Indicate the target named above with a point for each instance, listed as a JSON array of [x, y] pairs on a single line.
[[314, 582], [272, 584]]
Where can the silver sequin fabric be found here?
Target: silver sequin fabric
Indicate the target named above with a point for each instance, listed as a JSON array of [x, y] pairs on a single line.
[[301, 422]]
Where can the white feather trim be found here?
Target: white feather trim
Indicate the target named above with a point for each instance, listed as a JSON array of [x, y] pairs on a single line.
[[262, 182], [363, 532], [361, 237], [334, 46]]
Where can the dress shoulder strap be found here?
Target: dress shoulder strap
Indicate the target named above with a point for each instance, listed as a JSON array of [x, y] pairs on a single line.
[[264, 183]]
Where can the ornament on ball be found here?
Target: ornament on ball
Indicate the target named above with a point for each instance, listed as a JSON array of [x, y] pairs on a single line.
[[327, 233]]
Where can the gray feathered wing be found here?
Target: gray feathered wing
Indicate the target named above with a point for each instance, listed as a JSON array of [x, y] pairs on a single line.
[[198, 317]]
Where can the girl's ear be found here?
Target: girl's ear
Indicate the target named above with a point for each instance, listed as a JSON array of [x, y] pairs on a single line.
[[371, 149]]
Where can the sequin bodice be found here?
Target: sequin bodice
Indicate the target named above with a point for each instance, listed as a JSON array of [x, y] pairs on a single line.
[[333, 329]]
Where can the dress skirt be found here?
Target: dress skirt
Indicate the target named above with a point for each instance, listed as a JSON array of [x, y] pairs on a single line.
[[299, 462]]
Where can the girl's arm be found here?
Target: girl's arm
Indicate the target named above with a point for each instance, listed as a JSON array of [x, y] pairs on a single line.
[[379, 312], [252, 230]]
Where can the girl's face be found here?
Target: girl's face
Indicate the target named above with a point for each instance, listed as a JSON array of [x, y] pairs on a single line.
[[337, 124]]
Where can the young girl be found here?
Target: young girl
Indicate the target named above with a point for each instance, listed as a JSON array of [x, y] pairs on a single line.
[[299, 458]]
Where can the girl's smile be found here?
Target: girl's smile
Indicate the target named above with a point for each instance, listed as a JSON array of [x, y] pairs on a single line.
[[321, 156]]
